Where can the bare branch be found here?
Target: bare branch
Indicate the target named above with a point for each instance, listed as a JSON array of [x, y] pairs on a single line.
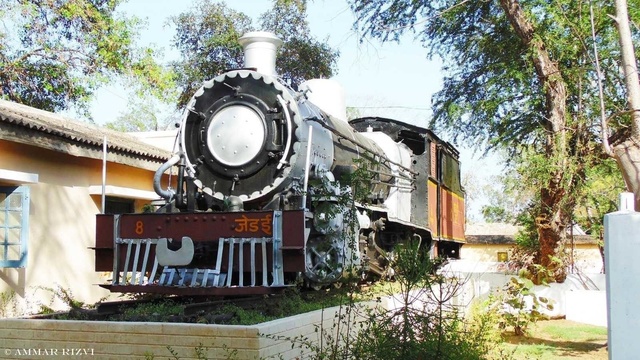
[[604, 127]]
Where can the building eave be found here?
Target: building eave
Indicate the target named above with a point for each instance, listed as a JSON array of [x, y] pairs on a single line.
[[34, 127]]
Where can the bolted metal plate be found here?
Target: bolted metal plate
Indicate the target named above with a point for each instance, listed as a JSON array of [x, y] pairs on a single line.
[[235, 135]]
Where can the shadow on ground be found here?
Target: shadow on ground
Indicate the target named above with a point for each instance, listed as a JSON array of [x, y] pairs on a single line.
[[564, 348]]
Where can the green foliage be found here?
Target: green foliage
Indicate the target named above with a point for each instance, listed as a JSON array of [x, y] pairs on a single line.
[[243, 316], [527, 237], [45, 310], [519, 306], [148, 208], [423, 325], [199, 352], [292, 303], [361, 179], [353, 113], [7, 303], [207, 38], [173, 352], [302, 56], [522, 84], [58, 53], [508, 195], [525, 256], [144, 114], [495, 214], [152, 311], [599, 196], [64, 295]]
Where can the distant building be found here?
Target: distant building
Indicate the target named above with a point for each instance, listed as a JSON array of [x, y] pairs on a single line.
[[51, 188], [488, 242], [492, 242]]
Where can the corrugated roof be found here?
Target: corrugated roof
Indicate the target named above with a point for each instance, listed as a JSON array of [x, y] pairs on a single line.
[[492, 229], [37, 120], [503, 233]]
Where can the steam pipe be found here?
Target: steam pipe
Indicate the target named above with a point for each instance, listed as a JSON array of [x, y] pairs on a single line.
[[169, 193], [104, 174], [307, 165]]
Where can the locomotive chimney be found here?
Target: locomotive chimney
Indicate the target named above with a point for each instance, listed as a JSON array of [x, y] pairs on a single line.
[[260, 51]]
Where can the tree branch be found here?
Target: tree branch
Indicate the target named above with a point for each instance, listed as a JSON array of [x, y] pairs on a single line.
[[603, 121], [389, 29]]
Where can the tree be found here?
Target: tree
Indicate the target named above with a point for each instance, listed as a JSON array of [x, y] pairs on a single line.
[[470, 182], [623, 144], [502, 194], [519, 76], [57, 53], [145, 114], [599, 196], [302, 57], [353, 113], [508, 197], [208, 37]]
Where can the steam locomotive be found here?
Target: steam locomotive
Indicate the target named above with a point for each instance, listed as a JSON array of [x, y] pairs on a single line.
[[273, 187]]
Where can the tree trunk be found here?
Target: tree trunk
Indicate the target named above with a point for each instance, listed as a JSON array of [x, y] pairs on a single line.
[[549, 224], [552, 219], [627, 152], [627, 155]]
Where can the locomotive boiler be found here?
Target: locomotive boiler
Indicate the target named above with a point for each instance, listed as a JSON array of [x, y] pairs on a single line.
[[272, 186]]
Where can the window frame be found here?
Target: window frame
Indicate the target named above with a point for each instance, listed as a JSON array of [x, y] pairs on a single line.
[[24, 227], [115, 201]]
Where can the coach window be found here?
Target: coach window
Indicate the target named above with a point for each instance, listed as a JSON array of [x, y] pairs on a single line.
[[451, 173], [413, 140], [14, 226]]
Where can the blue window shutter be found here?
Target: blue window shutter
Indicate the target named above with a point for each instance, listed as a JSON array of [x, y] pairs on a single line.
[[14, 226]]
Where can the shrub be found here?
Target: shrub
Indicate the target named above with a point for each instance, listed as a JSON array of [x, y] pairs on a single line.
[[519, 306], [425, 324]]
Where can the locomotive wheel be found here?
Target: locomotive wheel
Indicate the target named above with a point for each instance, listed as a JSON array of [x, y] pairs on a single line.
[[324, 260]]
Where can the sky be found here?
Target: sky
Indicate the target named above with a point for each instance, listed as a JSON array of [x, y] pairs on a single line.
[[389, 80], [397, 77]]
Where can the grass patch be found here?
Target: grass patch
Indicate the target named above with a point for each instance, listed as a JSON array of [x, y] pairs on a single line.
[[160, 312], [294, 302], [559, 339], [580, 332]]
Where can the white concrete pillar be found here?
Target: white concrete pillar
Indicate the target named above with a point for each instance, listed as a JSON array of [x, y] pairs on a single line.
[[622, 264]]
